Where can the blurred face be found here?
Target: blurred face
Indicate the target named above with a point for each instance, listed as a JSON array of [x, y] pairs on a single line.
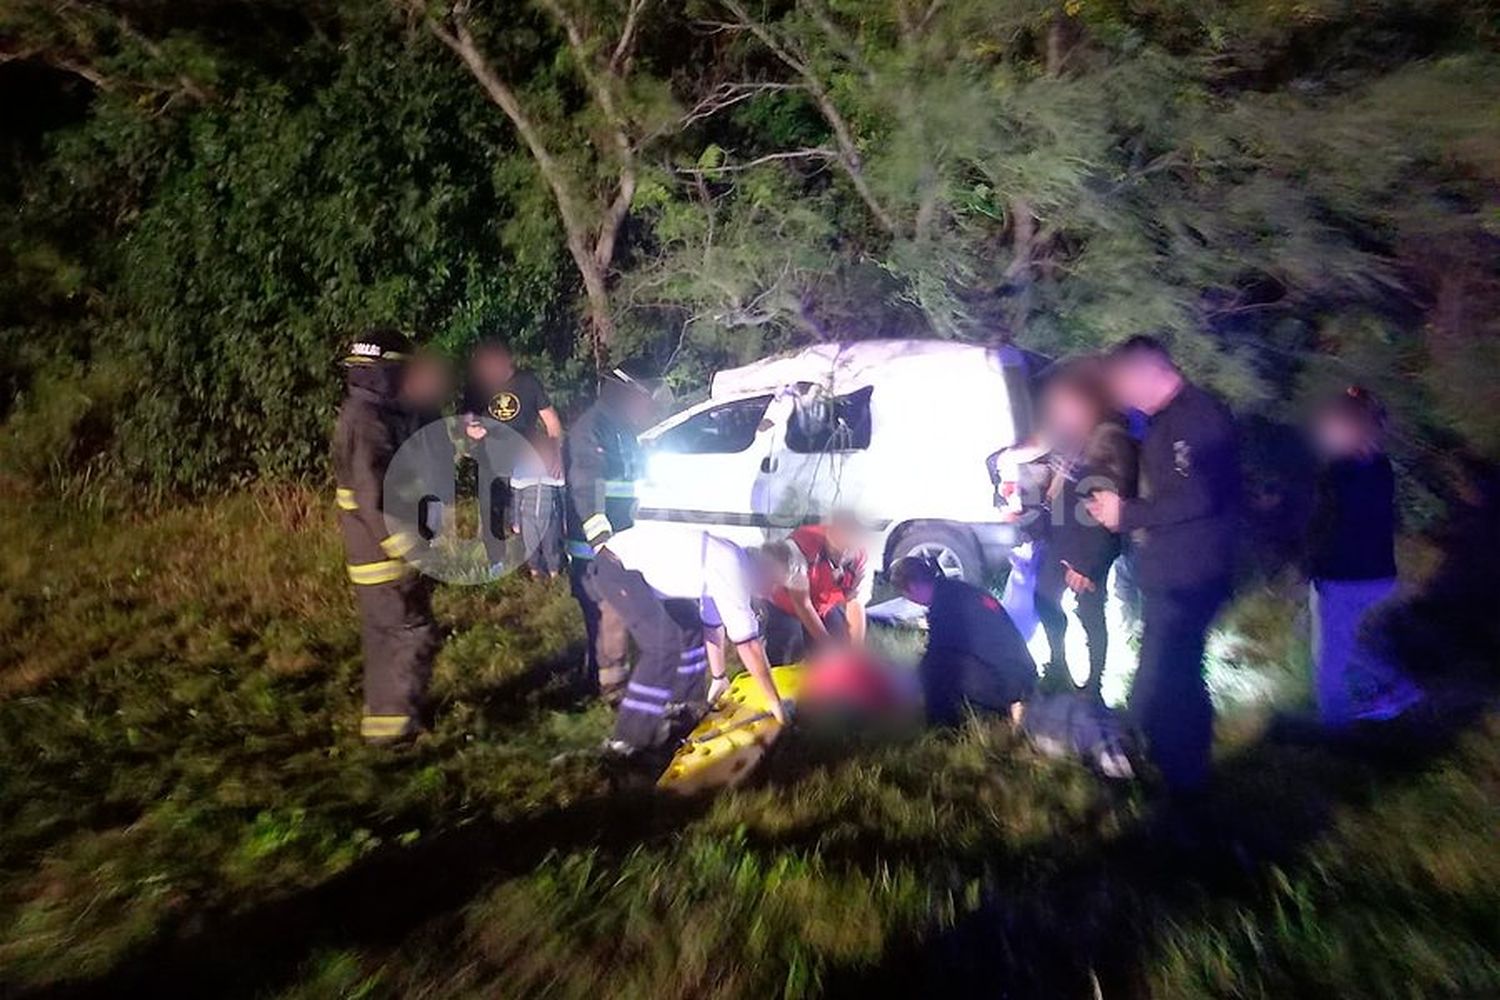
[[639, 410], [1338, 435], [1068, 413], [919, 592], [493, 365], [843, 536], [426, 382], [1142, 383]]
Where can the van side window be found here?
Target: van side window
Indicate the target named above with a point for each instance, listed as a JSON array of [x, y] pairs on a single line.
[[841, 423], [722, 430]]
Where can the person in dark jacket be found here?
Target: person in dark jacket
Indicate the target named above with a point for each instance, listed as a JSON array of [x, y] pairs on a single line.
[[1183, 525], [1090, 451], [1352, 563], [397, 632], [603, 461], [975, 655]]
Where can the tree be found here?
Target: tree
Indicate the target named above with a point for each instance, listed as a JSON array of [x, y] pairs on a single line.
[[623, 111]]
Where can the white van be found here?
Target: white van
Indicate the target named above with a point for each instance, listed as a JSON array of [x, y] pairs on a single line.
[[896, 431]]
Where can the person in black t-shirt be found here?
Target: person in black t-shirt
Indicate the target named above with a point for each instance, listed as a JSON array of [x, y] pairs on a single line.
[[497, 390], [975, 654], [1352, 563]]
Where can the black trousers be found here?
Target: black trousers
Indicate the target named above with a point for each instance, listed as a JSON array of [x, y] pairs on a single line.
[[668, 688], [953, 680], [606, 658], [787, 640], [1051, 583], [1169, 700], [399, 639]]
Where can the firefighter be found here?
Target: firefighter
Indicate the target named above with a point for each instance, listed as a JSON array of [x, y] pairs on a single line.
[[602, 461], [397, 632]]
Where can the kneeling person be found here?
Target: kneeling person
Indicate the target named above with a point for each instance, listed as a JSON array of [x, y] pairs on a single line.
[[680, 592], [975, 654]]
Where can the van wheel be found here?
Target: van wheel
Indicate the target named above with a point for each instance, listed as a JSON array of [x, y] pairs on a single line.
[[955, 550]]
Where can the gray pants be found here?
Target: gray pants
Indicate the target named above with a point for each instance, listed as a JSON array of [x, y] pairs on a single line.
[[538, 512]]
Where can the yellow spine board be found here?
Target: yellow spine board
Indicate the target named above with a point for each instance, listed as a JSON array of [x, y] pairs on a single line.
[[725, 746]]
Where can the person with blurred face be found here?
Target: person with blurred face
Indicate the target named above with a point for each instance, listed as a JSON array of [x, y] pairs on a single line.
[[1090, 451], [975, 656], [680, 593], [398, 635], [1352, 563], [515, 398], [827, 586], [603, 460], [1183, 525]]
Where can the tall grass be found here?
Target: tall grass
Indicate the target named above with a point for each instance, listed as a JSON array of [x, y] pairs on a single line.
[[186, 808]]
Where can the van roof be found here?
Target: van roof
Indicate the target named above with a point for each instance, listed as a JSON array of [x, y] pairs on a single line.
[[842, 367]]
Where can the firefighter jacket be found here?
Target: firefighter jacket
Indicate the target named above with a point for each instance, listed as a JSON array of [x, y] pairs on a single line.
[[371, 426], [603, 461]]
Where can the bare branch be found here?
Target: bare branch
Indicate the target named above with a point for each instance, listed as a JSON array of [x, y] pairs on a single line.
[[812, 153], [849, 156], [625, 48]]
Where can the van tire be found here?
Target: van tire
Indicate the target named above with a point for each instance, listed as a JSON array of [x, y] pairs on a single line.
[[955, 547]]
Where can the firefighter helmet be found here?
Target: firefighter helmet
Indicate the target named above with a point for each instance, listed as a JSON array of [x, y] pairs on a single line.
[[379, 345]]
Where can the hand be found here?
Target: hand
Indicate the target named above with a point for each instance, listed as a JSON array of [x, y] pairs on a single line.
[[778, 711], [716, 689], [475, 431], [1104, 507], [1076, 581]]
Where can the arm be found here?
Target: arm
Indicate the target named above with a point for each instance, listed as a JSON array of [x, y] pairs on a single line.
[[373, 449], [808, 615], [718, 669], [551, 422], [753, 656], [585, 475], [854, 611]]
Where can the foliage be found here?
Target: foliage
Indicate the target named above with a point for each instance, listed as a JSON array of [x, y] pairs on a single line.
[[210, 212]]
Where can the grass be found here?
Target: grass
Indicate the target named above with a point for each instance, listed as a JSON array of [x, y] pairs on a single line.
[[185, 808]]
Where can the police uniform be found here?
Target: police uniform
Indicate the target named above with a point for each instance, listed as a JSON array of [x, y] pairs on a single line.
[[602, 460], [397, 632], [1182, 528], [667, 584]]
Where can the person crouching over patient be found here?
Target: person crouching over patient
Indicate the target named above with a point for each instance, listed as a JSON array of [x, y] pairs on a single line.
[[680, 593], [975, 655], [826, 586]]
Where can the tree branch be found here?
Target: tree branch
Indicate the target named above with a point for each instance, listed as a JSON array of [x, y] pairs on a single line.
[[849, 157]]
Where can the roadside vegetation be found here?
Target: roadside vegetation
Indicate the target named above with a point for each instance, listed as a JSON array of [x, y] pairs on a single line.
[[187, 809]]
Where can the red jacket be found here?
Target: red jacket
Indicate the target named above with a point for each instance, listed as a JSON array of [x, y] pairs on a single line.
[[829, 584]]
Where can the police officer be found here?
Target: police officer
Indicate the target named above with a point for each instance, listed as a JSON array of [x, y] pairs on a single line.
[[397, 632], [602, 460], [1182, 524]]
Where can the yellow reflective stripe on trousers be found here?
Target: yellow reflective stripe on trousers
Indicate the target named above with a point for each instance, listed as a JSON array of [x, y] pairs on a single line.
[[345, 498], [381, 726], [385, 571], [399, 544], [596, 526]]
